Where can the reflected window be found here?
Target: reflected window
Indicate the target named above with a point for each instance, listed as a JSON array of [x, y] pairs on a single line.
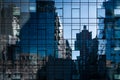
[[117, 27], [32, 7], [101, 13], [24, 7], [117, 34], [117, 12]]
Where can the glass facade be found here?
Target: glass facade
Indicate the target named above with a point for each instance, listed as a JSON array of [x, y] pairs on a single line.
[[37, 35], [110, 31]]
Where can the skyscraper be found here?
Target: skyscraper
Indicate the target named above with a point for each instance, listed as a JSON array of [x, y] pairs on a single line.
[[83, 43], [9, 25], [109, 43], [37, 35], [109, 31]]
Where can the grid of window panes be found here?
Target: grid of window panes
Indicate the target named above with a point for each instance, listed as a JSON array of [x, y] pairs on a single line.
[[28, 35]]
